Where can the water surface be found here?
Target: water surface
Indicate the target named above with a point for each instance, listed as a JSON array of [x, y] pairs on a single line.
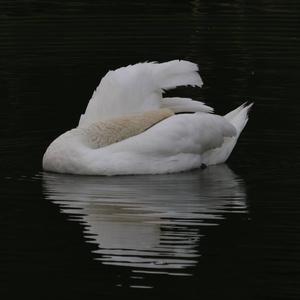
[[137, 222], [225, 232]]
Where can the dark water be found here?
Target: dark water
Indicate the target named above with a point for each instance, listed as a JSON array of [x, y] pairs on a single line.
[[231, 231]]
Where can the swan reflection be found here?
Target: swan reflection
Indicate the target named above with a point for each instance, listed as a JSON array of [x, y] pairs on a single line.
[[148, 223]]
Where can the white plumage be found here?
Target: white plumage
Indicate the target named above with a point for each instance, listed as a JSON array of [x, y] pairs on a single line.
[[136, 129]]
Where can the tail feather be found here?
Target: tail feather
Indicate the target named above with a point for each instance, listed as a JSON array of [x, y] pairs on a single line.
[[234, 112], [238, 118]]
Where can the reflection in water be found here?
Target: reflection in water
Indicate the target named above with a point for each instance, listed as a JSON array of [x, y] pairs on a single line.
[[148, 223]]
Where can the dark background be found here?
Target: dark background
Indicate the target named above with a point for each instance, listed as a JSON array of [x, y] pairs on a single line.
[[53, 55]]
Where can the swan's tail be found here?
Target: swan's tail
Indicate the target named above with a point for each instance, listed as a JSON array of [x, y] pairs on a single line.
[[238, 118]]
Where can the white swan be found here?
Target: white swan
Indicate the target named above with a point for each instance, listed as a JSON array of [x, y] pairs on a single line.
[[129, 128]]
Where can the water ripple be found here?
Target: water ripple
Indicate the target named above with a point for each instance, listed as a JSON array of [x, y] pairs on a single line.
[[136, 222]]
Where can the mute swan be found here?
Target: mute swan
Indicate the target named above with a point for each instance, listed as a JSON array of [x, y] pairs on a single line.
[[129, 128]]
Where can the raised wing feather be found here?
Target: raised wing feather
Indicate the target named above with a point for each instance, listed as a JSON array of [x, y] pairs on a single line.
[[137, 88]]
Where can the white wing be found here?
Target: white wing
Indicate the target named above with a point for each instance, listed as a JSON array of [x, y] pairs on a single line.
[[177, 105], [138, 88], [175, 144], [185, 133]]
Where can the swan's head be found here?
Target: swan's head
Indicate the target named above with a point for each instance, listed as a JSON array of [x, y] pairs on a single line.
[[65, 153]]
